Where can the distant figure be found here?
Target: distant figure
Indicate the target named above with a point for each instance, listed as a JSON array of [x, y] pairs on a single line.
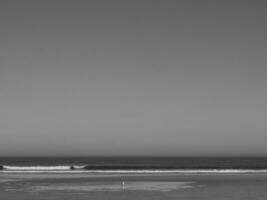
[[72, 167], [1, 167], [123, 185]]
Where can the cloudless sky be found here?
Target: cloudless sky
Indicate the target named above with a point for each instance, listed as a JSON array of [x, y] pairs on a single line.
[[133, 77]]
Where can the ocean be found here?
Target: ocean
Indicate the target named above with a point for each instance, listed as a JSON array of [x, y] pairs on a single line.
[[133, 178]]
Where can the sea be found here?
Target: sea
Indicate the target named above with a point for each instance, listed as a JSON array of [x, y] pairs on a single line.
[[205, 178]]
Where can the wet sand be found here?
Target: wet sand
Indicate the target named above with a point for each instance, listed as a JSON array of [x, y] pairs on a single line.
[[137, 186], [131, 177]]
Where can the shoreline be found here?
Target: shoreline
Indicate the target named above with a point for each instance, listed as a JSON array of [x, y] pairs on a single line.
[[132, 177]]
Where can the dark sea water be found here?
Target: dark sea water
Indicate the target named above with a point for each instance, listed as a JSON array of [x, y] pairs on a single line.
[[146, 162], [221, 178]]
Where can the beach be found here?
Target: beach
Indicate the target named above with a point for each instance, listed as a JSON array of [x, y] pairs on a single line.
[[136, 186], [182, 178]]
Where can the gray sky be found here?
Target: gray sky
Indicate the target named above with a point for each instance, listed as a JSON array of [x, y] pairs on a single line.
[[133, 77]]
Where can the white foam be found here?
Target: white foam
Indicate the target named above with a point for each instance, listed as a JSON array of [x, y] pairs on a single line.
[[80, 169], [67, 170], [36, 168]]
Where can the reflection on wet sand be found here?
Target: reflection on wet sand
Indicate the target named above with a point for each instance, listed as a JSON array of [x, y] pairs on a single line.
[[117, 186]]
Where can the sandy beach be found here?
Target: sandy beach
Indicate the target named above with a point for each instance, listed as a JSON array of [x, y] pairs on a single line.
[[172, 186]]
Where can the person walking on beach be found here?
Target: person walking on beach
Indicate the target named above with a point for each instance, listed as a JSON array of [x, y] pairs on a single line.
[[123, 185]]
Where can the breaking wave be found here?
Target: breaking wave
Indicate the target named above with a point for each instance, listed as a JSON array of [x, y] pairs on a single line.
[[121, 169], [35, 168]]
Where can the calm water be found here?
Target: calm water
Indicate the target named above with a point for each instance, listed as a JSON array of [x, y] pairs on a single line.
[[232, 181]]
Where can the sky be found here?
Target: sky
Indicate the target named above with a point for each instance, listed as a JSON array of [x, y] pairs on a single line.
[[133, 78]]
